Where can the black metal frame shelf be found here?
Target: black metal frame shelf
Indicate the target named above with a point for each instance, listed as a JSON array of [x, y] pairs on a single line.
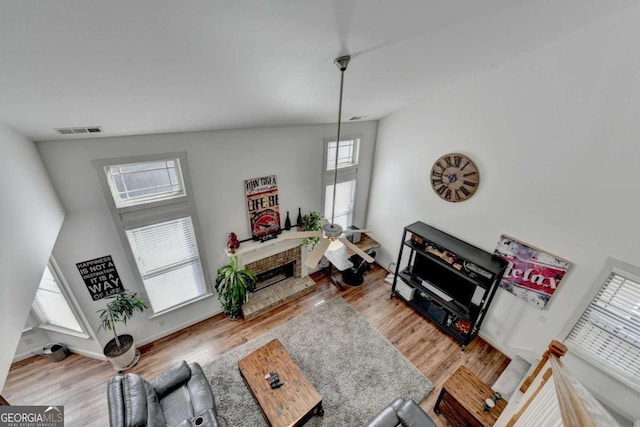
[[471, 266]]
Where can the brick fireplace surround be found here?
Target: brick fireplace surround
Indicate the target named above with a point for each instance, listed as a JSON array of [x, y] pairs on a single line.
[[274, 261], [263, 257]]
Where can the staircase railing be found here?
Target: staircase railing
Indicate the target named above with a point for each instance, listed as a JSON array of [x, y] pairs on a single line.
[[555, 348], [561, 402]]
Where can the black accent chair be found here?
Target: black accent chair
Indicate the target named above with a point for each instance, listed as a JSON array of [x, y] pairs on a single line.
[[403, 413], [179, 396], [354, 276]]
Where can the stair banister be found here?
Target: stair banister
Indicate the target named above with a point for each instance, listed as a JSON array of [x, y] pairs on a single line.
[[561, 402], [555, 348]]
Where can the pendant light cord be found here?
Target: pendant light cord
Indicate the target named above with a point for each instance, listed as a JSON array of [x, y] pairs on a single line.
[[335, 166]]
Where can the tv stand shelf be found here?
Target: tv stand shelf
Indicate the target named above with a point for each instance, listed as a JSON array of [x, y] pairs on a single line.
[[447, 280], [452, 305]]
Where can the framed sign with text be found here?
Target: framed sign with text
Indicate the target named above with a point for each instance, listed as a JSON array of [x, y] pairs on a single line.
[[101, 277], [532, 274], [263, 207]]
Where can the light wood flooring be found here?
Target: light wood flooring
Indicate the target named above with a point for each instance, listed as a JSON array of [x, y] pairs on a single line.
[[79, 383]]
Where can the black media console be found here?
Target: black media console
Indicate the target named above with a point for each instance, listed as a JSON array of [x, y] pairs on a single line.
[[447, 280]]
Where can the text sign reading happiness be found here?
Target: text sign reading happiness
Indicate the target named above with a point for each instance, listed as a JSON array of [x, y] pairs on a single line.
[[101, 277]]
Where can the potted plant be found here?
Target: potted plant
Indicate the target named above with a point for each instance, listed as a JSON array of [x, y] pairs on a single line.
[[311, 222], [121, 350], [233, 286]]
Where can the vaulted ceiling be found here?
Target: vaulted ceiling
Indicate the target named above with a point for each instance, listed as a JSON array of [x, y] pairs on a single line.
[[153, 66]]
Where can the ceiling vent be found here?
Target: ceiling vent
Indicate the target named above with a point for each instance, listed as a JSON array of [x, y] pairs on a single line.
[[76, 131]]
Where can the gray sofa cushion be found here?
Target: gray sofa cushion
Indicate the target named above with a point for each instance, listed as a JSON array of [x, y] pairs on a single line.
[[133, 402], [200, 390], [115, 397], [404, 413], [411, 415], [170, 379], [173, 398]]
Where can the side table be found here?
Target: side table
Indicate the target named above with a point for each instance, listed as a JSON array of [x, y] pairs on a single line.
[[462, 398]]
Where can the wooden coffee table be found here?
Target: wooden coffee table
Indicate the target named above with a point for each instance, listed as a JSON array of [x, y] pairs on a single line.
[[461, 400], [291, 404]]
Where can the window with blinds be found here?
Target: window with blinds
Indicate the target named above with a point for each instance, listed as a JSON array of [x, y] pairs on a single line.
[[51, 306], [345, 177], [167, 257], [608, 332], [152, 205]]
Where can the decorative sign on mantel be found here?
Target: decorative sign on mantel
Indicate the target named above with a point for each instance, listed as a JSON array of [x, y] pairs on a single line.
[[263, 207], [101, 277], [532, 274]]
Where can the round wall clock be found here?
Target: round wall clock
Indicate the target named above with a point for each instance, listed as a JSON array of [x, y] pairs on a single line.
[[454, 177]]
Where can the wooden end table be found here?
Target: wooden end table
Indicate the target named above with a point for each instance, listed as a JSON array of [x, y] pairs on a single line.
[[462, 398], [291, 404]]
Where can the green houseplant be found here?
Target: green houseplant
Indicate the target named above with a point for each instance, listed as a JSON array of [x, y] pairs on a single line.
[[233, 286], [121, 350], [311, 222]]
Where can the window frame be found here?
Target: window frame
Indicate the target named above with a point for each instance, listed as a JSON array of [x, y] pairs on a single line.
[[150, 221], [121, 204], [614, 266], [344, 174], [71, 303], [154, 212]]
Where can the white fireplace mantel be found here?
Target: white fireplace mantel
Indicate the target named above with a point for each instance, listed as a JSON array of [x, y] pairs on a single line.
[[254, 251]]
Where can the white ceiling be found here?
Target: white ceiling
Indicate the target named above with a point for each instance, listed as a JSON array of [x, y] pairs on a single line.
[[152, 66]]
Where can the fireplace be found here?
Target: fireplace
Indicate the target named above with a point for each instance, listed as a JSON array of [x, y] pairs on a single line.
[[275, 275], [278, 264], [276, 267]]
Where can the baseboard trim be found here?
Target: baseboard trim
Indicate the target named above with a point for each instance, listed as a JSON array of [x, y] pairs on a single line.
[[180, 327], [26, 354], [90, 354], [495, 345], [34, 352]]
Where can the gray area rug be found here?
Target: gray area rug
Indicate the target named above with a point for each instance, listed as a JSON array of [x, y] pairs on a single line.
[[355, 369]]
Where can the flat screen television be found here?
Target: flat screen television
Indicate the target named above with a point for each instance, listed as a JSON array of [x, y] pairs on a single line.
[[444, 279]]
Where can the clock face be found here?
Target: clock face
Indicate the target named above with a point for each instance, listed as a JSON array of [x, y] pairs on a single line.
[[454, 177]]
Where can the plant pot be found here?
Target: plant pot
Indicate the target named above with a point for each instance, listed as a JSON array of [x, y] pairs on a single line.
[[123, 357]]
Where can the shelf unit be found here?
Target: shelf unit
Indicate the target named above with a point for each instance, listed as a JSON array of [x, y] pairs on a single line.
[[463, 265]]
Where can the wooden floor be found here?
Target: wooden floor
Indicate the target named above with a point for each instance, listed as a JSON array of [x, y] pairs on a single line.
[[79, 383]]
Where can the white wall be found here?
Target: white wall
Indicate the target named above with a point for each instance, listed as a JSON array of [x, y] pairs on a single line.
[[32, 340], [30, 219], [555, 134], [218, 163]]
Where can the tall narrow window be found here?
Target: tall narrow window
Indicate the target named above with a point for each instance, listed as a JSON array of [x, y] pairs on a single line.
[[344, 173], [51, 305], [608, 332], [156, 218]]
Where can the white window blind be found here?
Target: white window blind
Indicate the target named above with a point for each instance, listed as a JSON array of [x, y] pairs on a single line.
[[51, 306], [609, 329], [345, 196], [153, 207], [167, 257], [346, 179]]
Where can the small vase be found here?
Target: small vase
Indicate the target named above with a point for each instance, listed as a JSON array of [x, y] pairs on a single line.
[[287, 222]]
